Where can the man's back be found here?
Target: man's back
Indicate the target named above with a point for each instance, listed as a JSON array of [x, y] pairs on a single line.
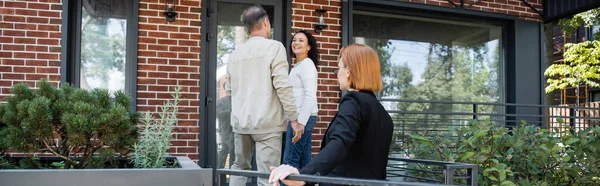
[[260, 89]]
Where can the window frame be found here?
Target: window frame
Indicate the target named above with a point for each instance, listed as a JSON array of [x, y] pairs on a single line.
[[441, 13], [71, 46]]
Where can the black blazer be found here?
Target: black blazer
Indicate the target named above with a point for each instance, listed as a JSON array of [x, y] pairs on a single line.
[[357, 141]]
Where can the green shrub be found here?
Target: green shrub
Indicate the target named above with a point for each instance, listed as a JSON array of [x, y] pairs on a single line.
[[525, 155], [71, 123], [151, 150]]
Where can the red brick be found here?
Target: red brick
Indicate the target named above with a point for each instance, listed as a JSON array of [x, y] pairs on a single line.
[[180, 36], [147, 27], [48, 13], [24, 55], [167, 68], [13, 47], [6, 39], [13, 76], [167, 41], [25, 26], [190, 29], [158, 47], [189, 16], [188, 43], [37, 34], [37, 20], [178, 62], [6, 54], [26, 12], [35, 77], [167, 54], [13, 33], [6, 69], [12, 61], [178, 49], [158, 34], [188, 56], [56, 7], [15, 4], [47, 70], [157, 75], [39, 6], [148, 13], [47, 56], [48, 41], [178, 75], [8, 18], [24, 69], [168, 28], [25, 40]]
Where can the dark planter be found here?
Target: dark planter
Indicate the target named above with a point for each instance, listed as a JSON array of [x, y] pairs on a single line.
[[187, 174]]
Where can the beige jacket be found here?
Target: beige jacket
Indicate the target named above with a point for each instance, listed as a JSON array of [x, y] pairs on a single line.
[[260, 89]]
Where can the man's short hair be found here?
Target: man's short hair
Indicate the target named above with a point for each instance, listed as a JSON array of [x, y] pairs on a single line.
[[253, 17]]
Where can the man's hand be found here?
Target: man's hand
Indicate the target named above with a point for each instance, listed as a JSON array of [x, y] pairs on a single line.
[[281, 172], [298, 131]]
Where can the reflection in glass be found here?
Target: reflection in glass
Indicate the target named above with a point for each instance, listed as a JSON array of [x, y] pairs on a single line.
[[102, 49], [231, 35], [433, 60]]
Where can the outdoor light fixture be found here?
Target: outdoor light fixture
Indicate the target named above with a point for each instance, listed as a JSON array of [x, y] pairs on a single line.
[[170, 10], [319, 26]]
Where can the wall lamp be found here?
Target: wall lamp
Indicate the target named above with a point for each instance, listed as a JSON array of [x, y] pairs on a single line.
[[170, 10], [319, 26]]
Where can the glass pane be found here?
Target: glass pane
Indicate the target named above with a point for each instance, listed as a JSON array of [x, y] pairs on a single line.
[[103, 46], [231, 34], [433, 60]]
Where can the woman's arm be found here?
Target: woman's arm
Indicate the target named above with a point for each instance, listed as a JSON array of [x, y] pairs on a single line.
[[308, 77]]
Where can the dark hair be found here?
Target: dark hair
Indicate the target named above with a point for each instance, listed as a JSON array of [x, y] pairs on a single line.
[[253, 17], [313, 53]]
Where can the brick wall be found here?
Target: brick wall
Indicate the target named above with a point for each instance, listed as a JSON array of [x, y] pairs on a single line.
[[169, 55], [29, 42]]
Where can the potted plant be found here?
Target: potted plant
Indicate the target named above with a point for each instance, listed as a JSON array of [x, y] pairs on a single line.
[[91, 131]]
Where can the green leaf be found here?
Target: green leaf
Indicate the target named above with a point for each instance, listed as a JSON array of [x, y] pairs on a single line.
[[571, 141], [481, 133], [466, 155], [510, 151], [566, 158], [418, 137], [493, 178]]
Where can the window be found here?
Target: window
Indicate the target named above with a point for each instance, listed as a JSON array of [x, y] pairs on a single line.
[[433, 59], [101, 45]]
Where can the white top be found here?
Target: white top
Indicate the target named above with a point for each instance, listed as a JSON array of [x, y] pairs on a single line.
[[304, 80]]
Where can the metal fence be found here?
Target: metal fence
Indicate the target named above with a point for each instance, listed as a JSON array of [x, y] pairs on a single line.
[[430, 171], [222, 181], [427, 117]]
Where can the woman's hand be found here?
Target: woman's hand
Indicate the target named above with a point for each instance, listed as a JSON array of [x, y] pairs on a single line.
[[282, 172]]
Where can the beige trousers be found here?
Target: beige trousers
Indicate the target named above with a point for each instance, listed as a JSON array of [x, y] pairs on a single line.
[[268, 153]]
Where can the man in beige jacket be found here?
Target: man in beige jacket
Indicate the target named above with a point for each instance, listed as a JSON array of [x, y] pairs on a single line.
[[261, 97]]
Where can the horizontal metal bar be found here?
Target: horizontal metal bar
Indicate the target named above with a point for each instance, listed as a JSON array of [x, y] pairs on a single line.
[[323, 179], [485, 114], [411, 169], [432, 162], [482, 103], [416, 177]]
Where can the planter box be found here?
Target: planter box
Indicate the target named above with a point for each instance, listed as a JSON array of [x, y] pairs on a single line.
[[188, 174]]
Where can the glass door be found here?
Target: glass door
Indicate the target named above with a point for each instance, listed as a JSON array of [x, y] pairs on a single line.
[[226, 32]]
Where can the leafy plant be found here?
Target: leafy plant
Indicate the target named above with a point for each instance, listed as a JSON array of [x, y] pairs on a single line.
[[71, 123], [151, 150], [582, 66], [525, 155]]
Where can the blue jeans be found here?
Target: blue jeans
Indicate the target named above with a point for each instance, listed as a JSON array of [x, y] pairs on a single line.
[[298, 155]]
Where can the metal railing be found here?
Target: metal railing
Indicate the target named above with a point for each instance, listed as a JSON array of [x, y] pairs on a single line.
[[426, 117], [449, 173], [222, 181]]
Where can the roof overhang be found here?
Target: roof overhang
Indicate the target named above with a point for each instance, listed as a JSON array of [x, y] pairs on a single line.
[[558, 9]]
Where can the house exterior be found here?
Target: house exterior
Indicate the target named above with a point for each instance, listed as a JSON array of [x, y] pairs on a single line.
[[471, 50]]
